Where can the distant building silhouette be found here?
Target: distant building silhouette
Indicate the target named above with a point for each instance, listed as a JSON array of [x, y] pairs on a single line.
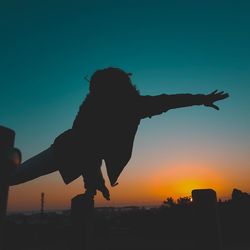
[[240, 197]]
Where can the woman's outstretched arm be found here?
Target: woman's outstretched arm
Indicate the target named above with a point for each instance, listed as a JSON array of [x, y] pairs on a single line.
[[155, 105]]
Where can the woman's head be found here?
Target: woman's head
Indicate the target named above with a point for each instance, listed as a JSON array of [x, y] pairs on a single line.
[[112, 82]]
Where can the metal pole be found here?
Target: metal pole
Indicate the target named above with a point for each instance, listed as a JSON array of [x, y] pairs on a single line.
[[42, 206], [208, 234], [7, 138], [82, 214]]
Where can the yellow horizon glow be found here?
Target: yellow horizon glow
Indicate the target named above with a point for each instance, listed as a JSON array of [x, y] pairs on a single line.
[[140, 189]]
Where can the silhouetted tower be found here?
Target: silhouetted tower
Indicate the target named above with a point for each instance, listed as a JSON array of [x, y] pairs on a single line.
[[42, 204]]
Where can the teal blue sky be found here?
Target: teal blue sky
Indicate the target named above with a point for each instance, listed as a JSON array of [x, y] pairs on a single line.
[[47, 47]]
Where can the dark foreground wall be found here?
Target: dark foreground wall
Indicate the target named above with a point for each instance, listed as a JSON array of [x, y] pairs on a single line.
[[133, 228]]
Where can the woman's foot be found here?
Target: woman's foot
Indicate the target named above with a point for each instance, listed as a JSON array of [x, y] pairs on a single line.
[[105, 192]]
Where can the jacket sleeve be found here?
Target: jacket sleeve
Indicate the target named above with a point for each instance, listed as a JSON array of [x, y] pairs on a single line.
[[155, 105]]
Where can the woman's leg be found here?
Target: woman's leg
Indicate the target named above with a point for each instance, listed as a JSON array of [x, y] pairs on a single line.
[[35, 167], [93, 179]]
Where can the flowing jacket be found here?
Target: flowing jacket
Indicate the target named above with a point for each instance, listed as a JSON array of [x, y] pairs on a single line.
[[105, 130]]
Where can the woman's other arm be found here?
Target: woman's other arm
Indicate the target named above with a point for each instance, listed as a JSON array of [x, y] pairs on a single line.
[[155, 105]]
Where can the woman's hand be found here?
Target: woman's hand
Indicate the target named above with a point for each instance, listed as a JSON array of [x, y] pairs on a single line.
[[214, 97]]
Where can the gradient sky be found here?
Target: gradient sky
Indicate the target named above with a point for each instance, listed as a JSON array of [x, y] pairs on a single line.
[[47, 47]]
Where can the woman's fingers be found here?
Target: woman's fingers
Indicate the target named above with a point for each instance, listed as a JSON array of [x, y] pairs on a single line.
[[211, 105], [214, 106], [214, 97], [215, 91]]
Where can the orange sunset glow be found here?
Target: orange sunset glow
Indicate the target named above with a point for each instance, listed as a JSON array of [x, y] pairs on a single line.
[[125, 125], [148, 189], [162, 165], [50, 52]]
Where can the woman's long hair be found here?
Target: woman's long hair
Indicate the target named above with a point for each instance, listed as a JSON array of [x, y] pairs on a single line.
[[112, 82], [109, 89]]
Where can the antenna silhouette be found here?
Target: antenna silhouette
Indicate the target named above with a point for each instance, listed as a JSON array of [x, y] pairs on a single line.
[[42, 204]]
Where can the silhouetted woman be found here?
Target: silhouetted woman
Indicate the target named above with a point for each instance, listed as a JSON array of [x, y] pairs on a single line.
[[104, 129]]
